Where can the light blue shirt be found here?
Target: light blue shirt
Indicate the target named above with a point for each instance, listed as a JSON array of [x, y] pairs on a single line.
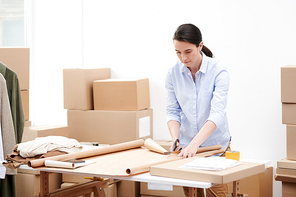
[[193, 103]]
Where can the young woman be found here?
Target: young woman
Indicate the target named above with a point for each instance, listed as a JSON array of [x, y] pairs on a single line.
[[196, 95]]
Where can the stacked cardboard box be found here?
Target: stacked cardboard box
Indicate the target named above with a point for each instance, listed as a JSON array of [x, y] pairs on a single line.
[[106, 110], [18, 60], [286, 168]]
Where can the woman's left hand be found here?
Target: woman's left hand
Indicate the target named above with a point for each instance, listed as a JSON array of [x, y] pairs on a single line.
[[187, 152]]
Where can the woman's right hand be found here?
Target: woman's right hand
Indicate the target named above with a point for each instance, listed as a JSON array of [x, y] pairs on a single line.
[[173, 145]]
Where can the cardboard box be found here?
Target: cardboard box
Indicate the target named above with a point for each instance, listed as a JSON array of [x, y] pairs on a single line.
[[285, 163], [291, 139], [121, 95], [177, 191], [288, 189], [110, 127], [128, 189], [110, 191], [257, 185], [289, 113], [25, 101], [78, 86], [288, 87], [173, 170], [28, 184], [18, 60], [30, 133]]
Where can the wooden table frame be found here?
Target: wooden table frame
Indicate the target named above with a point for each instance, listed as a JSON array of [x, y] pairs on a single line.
[[97, 187]]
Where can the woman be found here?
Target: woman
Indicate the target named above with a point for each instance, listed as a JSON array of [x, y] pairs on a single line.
[[196, 95]]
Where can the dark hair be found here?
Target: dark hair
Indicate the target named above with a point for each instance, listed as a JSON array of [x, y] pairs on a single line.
[[190, 33]]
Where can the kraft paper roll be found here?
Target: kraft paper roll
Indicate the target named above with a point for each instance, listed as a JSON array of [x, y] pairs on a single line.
[[153, 146], [208, 148], [89, 153]]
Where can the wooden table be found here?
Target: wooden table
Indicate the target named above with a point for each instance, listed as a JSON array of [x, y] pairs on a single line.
[[97, 186]]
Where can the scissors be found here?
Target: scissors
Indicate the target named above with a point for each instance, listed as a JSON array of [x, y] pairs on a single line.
[[175, 147]]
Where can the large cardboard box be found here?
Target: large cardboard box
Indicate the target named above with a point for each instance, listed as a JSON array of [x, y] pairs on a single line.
[[110, 127], [128, 189], [25, 101], [174, 191], [291, 139], [78, 86], [173, 170], [289, 113], [121, 95], [18, 60], [257, 185], [288, 189], [30, 133], [288, 81], [28, 183]]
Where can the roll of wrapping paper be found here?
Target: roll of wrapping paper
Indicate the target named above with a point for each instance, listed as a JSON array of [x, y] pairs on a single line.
[[153, 146], [172, 157], [89, 153]]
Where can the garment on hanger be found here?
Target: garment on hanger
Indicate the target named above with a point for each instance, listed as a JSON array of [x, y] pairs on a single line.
[[7, 130], [15, 100], [7, 185]]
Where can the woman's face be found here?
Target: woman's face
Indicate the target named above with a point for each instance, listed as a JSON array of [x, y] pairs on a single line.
[[189, 54]]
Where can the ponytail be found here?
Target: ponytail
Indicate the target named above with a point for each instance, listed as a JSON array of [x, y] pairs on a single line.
[[207, 51]]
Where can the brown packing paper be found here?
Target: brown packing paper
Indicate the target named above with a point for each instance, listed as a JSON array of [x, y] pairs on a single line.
[[172, 157], [153, 146], [122, 159], [90, 153]]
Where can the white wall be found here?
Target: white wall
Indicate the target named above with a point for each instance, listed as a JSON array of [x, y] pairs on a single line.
[[134, 38]]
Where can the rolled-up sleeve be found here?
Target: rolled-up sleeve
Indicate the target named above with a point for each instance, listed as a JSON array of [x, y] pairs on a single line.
[[219, 100], [173, 108]]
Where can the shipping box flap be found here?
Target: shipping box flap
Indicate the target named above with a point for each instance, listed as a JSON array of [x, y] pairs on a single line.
[[172, 170]]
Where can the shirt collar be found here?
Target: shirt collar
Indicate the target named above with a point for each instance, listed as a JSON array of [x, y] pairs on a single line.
[[203, 67]]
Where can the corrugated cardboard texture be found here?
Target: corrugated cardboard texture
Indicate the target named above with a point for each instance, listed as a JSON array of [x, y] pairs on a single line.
[[289, 113], [285, 163], [28, 185], [30, 133], [25, 101], [291, 139], [128, 189], [288, 189], [172, 170], [78, 86], [258, 185], [121, 95], [288, 87], [107, 127], [18, 60]]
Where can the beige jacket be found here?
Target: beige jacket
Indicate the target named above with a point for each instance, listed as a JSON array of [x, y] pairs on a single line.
[[7, 129]]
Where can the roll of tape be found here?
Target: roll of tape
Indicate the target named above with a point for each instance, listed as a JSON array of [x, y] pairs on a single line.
[[232, 155]]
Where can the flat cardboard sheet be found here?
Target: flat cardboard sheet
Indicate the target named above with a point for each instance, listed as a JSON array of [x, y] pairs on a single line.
[[172, 170]]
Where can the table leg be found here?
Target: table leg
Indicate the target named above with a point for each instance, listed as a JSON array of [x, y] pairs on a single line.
[[192, 192], [44, 187], [235, 188]]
